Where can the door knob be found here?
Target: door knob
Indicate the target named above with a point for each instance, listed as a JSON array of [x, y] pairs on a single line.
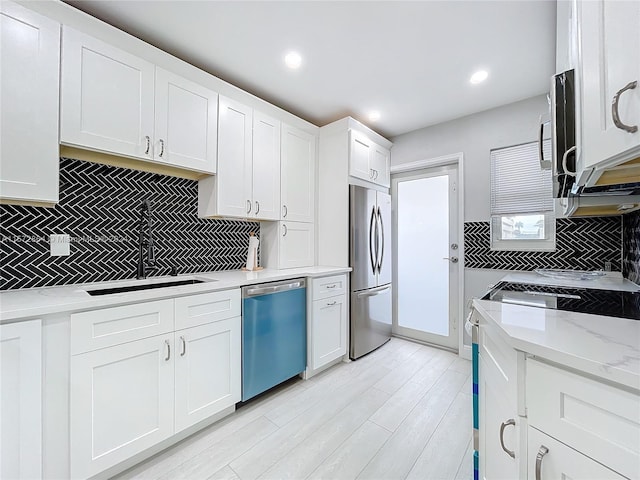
[[451, 259]]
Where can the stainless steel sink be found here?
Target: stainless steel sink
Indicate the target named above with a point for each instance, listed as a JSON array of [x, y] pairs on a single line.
[[147, 286]]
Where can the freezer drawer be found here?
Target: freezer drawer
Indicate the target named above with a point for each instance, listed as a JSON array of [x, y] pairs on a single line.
[[370, 320]]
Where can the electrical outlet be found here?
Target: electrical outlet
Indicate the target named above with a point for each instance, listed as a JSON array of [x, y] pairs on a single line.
[[607, 266], [60, 245]]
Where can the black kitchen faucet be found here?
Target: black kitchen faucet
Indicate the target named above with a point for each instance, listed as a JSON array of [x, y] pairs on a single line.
[[145, 265]]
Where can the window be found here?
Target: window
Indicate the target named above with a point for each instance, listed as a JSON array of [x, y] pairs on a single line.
[[522, 215]]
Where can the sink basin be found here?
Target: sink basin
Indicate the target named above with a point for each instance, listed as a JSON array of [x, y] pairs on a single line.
[[133, 288]]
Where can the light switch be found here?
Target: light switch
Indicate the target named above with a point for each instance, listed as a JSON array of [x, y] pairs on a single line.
[[60, 245]]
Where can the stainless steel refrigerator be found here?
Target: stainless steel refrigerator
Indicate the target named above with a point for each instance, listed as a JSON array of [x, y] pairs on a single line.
[[370, 258]]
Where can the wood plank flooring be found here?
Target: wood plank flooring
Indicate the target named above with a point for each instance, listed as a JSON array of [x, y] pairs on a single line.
[[401, 412]]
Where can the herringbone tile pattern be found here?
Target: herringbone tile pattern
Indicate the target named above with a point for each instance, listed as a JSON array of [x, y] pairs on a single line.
[[581, 244], [99, 208], [631, 246]]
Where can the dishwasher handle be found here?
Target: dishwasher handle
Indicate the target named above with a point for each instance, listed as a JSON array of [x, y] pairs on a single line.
[[267, 289]]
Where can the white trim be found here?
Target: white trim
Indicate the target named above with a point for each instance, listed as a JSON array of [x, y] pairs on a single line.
[[525, 245], [453, 158], [428, 163]]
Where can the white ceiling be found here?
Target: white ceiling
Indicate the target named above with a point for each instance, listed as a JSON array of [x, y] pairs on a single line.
[[411, 61]]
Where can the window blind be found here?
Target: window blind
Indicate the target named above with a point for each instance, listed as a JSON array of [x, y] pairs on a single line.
[[518, 185]]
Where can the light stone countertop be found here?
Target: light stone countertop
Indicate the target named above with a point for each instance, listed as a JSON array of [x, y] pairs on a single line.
[[16, 305], [606, 347]]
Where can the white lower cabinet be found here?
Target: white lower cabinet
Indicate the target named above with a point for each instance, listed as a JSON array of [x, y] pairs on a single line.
[[287, 244], [329, 330], [328, 322], [121, 402], [550, 459], [21, 400], [207, 375], [131, 393]]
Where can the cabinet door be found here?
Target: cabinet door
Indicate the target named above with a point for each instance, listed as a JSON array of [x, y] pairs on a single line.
[[107, 97], [610, 41], [380, 159], [186, 123], [121, 402], [207, 370], [266, 167], [329, 330], [360, 148], [234, 159], [298, 175], [555, 460], [495, 410], [21, 400], [296, 245], [30, 46]]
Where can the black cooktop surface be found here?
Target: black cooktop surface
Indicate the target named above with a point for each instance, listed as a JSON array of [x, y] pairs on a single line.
[[611, 303]]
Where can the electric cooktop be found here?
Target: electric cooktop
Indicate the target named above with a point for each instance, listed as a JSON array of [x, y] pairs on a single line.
[[611, 303]]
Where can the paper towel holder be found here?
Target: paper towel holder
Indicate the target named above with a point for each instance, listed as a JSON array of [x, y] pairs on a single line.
[[252, 252]]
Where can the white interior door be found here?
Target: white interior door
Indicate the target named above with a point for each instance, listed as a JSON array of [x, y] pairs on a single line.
[[425, 211]]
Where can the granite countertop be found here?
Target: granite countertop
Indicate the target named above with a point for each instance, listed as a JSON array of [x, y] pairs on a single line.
[[606, 347], [23, 304]]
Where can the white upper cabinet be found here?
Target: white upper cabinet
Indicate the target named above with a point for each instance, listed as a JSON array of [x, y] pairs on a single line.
[[380, 164], [117, 103], [247, 184], [186, 119], [234, 159], [298, 175], [29, 86], [266, 167], [610, 82], [368, 160], [107, 97], [359, 153]]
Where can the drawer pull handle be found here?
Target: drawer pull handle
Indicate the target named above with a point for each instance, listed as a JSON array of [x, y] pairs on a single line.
[[332, 286], [541, 453], [148, 140], [285, 210], [332, 303], [166, 342], [161, 148], [504, 425], [184, 347], [248, 206], [614, 109]]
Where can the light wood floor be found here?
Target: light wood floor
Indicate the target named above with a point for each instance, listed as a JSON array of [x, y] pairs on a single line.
[[403, 411]]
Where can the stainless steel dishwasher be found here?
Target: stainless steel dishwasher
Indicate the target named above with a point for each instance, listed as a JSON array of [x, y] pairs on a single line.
[[274, 334]]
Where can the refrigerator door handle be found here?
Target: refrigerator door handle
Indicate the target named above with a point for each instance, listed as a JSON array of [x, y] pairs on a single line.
[[381, 234], [373, 244], [374, 291]]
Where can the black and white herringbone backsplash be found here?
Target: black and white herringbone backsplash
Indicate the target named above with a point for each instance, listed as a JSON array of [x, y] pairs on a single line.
[[581, 244], [99, 208], [631, 246]]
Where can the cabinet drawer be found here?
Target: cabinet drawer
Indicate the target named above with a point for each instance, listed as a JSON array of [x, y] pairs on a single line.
[[326, 287], [113, 326], [560, 461], [597, 419], [209, 307]]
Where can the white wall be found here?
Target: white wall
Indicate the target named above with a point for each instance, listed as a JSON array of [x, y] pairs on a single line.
[[474, 135]]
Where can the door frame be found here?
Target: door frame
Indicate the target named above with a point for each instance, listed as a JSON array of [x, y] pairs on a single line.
[[456, 159]]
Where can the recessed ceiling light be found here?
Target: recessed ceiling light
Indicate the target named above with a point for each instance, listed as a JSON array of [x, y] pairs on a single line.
[[479, 76], [293, 60], [374, 116]]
